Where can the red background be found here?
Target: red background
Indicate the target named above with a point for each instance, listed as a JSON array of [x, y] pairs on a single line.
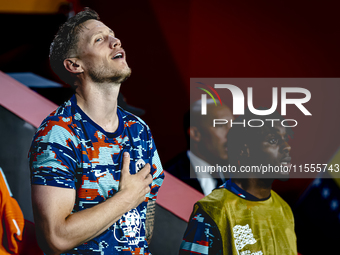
[[167, 42]]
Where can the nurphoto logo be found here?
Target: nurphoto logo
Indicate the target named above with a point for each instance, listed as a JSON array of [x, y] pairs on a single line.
[[239, 102]]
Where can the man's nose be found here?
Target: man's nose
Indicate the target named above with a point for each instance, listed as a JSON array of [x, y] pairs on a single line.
[[286, 147], [114, 42]]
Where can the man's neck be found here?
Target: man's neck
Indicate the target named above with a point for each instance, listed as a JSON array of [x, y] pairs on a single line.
[[99, 102], [259, 188]]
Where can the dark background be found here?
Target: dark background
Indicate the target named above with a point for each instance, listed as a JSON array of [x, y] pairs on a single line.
[[168, 42]]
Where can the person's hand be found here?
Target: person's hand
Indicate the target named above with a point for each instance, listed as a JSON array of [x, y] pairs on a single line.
[[135, 186]]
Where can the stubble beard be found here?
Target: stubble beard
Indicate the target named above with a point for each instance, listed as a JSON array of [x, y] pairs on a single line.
[[105, 75]]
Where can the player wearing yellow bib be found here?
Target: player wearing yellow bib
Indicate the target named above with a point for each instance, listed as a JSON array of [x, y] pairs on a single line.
[[244, 216]]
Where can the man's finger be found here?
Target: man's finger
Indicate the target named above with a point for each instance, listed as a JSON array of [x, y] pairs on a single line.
[[145, 170], [126, 162], [149, 178], [147, 190]]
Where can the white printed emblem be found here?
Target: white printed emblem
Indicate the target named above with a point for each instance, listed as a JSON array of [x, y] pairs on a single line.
[[139, 164], [131, 224], [243, 235]]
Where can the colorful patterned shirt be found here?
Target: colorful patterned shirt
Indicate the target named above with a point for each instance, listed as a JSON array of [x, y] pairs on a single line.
[[69, 150]]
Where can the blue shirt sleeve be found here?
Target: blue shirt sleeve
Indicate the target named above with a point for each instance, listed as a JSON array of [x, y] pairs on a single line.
[[52, 157], [201, 236]]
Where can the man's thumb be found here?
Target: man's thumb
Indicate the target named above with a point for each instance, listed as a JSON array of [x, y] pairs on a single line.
[[126, 162]]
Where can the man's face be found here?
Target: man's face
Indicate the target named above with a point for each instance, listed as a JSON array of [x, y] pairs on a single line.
[[213, 143], [101, 53], [272, 148]]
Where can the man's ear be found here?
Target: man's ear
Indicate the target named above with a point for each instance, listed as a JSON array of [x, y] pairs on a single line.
[[194, 134], [245, 153], [72, 65]]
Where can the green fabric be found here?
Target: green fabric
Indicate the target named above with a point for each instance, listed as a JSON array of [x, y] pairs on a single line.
[[251, 227]]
